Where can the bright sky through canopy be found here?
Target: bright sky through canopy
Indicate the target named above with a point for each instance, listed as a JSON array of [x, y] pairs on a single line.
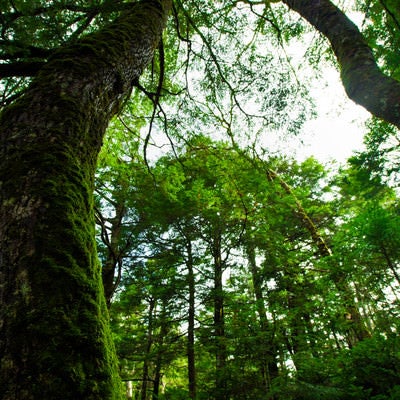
[[339, 127]]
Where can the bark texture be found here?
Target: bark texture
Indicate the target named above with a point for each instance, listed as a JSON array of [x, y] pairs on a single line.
[[191, 359], [220, 392], [363, 81], [111, 271], [54, 335], [268, 352]]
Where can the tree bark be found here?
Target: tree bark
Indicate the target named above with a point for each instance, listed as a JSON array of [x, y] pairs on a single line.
[[323, 248], [191, 321], [20, 68], [54, 334], [363, 81], [268, 353], [160, 353], [111, 271], [149, 345], [219, 322]]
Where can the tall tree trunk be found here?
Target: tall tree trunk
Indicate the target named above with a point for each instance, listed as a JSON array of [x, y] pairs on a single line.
[[391, 265], [268, 353], [111, 237], [149, 344], [299, 341], [191, 321], [159, 360], [54, 334], [219, 322], [363, 81]]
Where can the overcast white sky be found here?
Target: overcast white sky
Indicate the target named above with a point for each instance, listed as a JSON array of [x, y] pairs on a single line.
[[335, 133], [339, 128]]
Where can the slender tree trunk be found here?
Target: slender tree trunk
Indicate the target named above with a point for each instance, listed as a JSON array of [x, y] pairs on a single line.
[[191, 320], [219, 323], [268, 362], [111, 270], [363, 81], [149, 344], [157, 376], [390, 263], [299, 321], [54, 334], [160, 352]]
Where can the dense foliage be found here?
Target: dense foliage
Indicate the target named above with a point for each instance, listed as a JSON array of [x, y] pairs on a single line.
[[293, 283], [246, 275]]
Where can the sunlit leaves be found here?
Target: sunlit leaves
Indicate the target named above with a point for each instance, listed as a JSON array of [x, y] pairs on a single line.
[[382, 30]]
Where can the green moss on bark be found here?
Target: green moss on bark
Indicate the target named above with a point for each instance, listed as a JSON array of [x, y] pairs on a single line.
[[57, 313], [54, 335]]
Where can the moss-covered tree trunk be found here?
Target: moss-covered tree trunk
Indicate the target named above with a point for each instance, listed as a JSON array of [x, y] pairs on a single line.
[[54, 335]]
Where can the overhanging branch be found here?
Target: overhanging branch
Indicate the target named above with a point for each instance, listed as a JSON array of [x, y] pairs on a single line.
[[363, 81], [22, 50], [20, 69]]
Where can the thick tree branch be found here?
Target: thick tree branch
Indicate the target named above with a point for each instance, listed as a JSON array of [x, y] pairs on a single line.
[[363, 81], [67, 6], [318, 240], [392, 14], [20, 69], [24, 51]]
